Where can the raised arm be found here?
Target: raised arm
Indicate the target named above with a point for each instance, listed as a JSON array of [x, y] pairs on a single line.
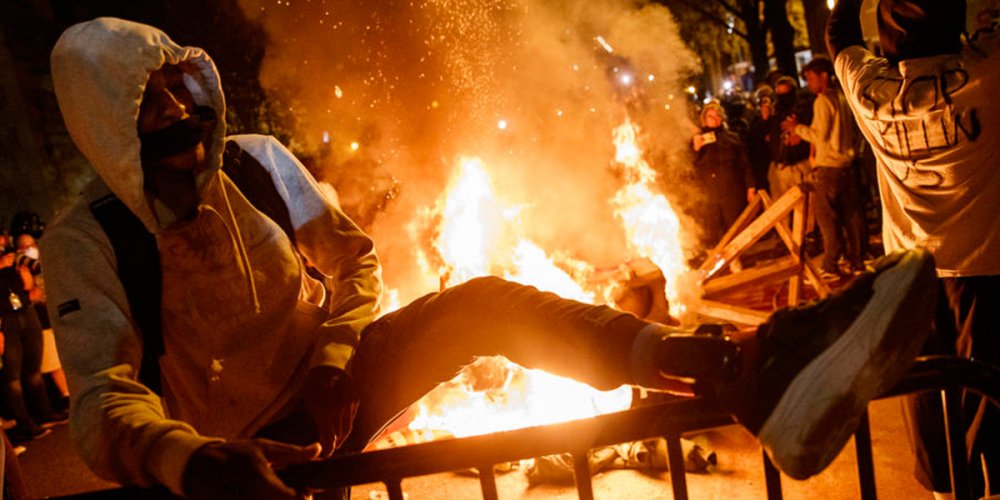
[[844, 27]]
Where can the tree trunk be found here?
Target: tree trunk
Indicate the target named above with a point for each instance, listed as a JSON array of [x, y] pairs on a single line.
[[782, 35], [817, 13], [756, 39]]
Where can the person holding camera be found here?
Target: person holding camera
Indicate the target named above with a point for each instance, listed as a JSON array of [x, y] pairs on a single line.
[[723, 172], [22, 353]]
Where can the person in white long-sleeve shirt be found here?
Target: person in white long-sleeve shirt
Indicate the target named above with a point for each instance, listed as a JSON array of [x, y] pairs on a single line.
[[833, 135]]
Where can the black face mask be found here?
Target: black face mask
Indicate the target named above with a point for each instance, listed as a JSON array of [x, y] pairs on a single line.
[[785, 103], [178, 137]]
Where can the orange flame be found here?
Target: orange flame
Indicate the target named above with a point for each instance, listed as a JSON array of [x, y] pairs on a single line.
[[650, 223], [478, 234]]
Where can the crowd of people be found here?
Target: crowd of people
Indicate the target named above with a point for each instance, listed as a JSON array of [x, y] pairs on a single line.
[[201, 355], [34, 395], [781, 138]]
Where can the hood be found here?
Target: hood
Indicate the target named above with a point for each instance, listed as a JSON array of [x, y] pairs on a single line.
[[911, 29], [99, 71]]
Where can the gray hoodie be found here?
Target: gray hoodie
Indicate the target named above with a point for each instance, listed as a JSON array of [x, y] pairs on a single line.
[[242, 322]]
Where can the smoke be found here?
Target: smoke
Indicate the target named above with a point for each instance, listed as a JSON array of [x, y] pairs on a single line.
[[388, 95]]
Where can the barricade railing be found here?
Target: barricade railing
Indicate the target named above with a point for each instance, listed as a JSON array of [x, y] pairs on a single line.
[[669, 420]]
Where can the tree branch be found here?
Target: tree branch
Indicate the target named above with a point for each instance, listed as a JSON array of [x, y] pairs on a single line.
[[711, 16]]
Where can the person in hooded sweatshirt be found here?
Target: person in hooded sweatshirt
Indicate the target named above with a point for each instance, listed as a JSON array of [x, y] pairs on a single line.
[[930, 112], [258, 367]]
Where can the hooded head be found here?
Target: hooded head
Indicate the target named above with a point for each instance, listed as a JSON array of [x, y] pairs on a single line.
[[910, 29], [100, 70]]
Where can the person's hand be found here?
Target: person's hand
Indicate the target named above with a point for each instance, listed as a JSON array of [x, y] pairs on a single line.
[[699, 141], [26, 277], [788, 126], [7, 260], [244, 470], [792, 139], [330, 398]]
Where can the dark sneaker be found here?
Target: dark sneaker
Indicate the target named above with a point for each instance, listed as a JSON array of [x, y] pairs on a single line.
[[21, 433], [55, 419], [820, 364]]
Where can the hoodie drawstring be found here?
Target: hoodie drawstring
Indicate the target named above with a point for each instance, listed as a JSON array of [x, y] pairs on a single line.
[[238, 237]]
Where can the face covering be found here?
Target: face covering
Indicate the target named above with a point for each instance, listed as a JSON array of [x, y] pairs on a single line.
[[178, 137], [31, 252], [785, 102]]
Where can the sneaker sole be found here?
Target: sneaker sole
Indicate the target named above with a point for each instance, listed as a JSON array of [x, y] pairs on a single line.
[[821, 408]]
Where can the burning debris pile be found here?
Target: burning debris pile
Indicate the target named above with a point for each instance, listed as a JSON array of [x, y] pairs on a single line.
[[563, 119]]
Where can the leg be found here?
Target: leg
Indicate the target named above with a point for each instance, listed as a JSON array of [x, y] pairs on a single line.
[[975, 301], [31, 366], [853, 214], [13, 392], [923, 412], [776, 180], [827, 192], [407, 353]]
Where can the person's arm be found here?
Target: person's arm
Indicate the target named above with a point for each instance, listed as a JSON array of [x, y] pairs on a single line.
[[118, 425], [339, 249], [844, 27], [823, 116], [332, 243]]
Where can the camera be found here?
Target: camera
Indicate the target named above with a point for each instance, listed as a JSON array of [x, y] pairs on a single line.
[[708, 137], [33, 265]]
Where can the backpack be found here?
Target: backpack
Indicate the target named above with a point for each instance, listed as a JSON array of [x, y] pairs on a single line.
[[139, 260]]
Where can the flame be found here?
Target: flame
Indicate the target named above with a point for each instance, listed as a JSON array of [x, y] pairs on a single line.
[[477, 234], [650, 223]]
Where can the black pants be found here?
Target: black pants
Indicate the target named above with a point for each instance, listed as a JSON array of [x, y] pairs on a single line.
[[22, 366], [967, 324], [840, 216], [406, 353]]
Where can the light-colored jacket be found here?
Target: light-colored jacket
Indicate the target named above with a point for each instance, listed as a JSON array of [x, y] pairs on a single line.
[[831, 131], [242, 322]]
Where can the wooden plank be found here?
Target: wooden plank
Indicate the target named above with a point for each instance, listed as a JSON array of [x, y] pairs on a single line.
[[798, 236], [734, 314], [781, 227], [776, 271], [755, 231], [751, 211], [818, 284]]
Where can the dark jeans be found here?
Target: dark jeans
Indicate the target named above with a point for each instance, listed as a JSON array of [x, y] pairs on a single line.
[[22, 365], [406, 353], [840, 214], [966, 324]]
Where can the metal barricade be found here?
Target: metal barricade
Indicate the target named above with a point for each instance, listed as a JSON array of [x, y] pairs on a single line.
[[950, 375]]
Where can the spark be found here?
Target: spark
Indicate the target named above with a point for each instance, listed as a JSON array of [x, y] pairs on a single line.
[[502, 124], [651, 78], [337, 92], [355, 146], [626, 79], [607, 47]]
